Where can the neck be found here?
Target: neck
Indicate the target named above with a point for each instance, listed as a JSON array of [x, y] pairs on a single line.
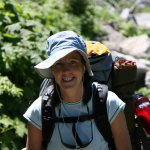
[[72, 95]]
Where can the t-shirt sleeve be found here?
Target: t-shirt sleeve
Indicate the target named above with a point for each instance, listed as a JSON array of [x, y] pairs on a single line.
[[33, 113], [114, 106]]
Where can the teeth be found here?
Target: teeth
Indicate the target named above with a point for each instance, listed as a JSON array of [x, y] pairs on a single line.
[[67, 79]]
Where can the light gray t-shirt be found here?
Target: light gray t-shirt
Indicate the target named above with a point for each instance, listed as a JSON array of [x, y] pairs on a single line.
[[87, 130]]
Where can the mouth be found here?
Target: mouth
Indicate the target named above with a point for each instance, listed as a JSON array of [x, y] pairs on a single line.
[[67, 79]]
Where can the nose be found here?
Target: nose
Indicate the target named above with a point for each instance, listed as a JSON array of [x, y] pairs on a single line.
[[66, 67]]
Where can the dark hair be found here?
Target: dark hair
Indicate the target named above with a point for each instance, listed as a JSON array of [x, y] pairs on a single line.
[[87, 83], [55, 98], [87, 88]]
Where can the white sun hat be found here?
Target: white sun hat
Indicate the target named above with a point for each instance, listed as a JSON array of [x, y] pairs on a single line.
[[60, 45]]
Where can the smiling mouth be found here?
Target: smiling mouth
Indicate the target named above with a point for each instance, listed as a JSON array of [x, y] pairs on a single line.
[[68, 79]]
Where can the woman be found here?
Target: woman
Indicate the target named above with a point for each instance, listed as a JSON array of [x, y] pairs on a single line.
[[69, 68]]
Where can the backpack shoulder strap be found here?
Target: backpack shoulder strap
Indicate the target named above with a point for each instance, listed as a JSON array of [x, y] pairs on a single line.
[[48, 115], [44, 85], [100, 113], [100, 110]]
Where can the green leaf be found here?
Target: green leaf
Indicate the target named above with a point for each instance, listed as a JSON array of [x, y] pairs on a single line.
[[6, 86], [145, 91], [19, 127], [1, 105], [13, 28], [9, 35], [6, 122]]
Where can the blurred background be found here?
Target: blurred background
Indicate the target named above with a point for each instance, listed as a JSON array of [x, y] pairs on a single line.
[[123, 26]]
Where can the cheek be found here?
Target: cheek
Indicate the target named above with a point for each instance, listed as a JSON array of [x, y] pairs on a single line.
[[56, 75], [82, 68], [80, 73], [57, 78]]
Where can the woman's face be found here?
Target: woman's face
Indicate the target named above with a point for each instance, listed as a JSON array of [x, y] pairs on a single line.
[[68, 71]]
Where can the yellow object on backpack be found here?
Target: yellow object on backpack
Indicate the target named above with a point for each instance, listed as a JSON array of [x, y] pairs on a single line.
[[96, 48]]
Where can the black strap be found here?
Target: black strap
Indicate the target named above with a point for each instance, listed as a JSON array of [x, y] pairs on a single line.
[[44, 85], [47, 120], [75, 134], [100, 115], [100, 109], [81, 118]]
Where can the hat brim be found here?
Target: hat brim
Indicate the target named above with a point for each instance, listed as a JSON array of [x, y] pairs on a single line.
[[44, 68]]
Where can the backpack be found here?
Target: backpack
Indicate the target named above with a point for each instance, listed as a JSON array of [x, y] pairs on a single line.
[[106, 71], [99, 115]]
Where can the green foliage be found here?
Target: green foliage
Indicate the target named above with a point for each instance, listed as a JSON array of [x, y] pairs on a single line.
[[6, 86], [9, 128], [85, 12], [144, 31], [8, 124], [129, 29], [106, 15], [145, 91], [25, 26], [146, 9], [76, 7]]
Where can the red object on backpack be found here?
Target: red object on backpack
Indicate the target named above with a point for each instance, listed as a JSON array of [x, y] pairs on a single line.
[[142, 111]]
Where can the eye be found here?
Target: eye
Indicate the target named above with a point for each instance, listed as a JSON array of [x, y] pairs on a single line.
[[74, 61], [57, 65]]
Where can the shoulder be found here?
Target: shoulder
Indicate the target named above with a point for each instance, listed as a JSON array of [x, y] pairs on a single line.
[[113, 99], [113, 103], [114, 106], [36, 105], [33, 113]]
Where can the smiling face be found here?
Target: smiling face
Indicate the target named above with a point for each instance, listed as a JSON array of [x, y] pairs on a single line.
[[68, 72]]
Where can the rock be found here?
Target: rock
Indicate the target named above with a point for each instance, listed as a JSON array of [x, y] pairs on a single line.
[[116, 54], [138, 46], [113, 34], [125, 13], [111, 45], [143, 66], [143, 19], [147, 79], [111, 41], [143, 2]]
